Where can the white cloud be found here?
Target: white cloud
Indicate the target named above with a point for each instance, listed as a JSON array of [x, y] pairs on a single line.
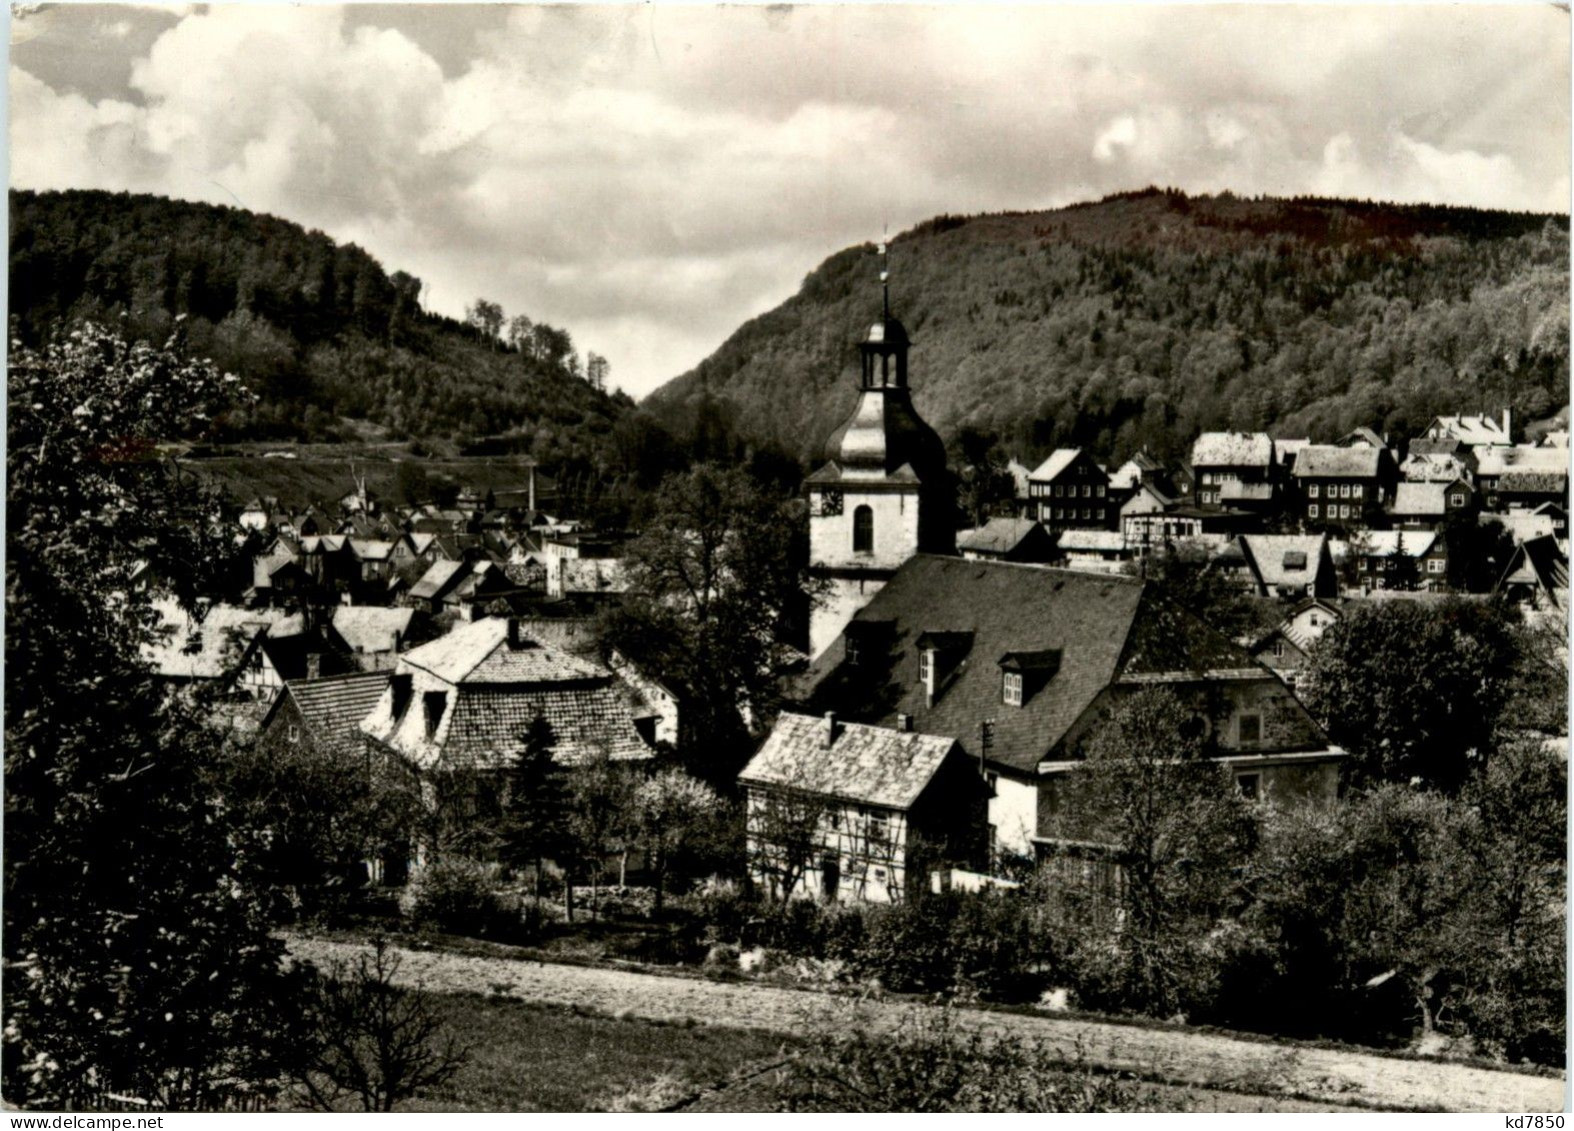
[[649, 175]]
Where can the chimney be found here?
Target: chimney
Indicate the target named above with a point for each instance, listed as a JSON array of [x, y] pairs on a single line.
[[515, 635], [313, 665], [1508, 420], [904, 723], [828, 735], [532, 490]]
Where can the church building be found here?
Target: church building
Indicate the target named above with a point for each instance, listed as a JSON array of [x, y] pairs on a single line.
[[884, 493]]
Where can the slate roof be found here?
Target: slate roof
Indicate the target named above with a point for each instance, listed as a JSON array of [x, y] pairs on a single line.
[[1058, 461], [1539, 561], [370, 628], [1284, 559], [187, 649], [1102, 625], [867, 764], [1539, 482], [1433, 467], [1471, 429], [1232, 449], [334, 706], [485, 728], [1363, 435], [370, 550], [997, 536], [479, 652], [1420, 499], [1524, 525], [1501, 461], [437, 579], [1091, 541], [1387, 543], [1443, 446], [1325, 461]]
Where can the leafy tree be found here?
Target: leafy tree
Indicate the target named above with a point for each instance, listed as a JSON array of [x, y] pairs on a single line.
[[597, 370], [718, 570], [600, 821], [1414, 689], [1176, 828], [1478, 552], [1182, 575], [375, 1043], [672, 809], [139, 963], [487, 318]]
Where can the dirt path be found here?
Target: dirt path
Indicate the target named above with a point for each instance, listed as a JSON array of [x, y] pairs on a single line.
[[1203, 1059]]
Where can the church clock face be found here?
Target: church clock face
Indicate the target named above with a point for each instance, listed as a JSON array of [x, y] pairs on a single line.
[[830, 503]]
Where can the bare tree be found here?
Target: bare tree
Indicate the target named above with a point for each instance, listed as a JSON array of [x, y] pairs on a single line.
[[375, 1043], [784, 835], [487, 318]]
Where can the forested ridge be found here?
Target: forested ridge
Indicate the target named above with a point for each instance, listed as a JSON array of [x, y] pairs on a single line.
[[323, 335], [1144, 318]]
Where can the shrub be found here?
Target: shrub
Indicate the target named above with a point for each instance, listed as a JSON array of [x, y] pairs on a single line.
[[457, 895], [930, 1064]]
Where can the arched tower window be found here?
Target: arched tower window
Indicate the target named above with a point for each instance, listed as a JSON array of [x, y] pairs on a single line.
[[863, 531]]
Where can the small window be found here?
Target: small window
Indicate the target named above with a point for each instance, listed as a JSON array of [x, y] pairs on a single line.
[[434, 702], [1456, 500], [1278, 649], [863, 530], [295, 733], [1013, 690], [1311, 511], [1250, 728], [1098, 490], [1435, 565], [1057, 491], [879, 875], [926, 665], [1344, 490], [1311, 492], [851, 649], [1249, 785], [992, 780]]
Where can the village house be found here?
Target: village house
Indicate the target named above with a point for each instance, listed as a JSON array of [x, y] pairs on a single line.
[[1218, 458], [465, 704], [1526, 475], [1286, 650], [1538, 574], [1401, 559], [375, 636], [1428, 505], [1104, 550], [324, 712], [1069, 491], [1214, 527], [854, 813], [1007, 540], [1288, 565], [1017, 662], [1343, 487], [1479, 431], [1437, 466], [1523, 525]]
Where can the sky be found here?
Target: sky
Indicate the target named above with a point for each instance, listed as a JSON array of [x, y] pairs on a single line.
[[650, 176]]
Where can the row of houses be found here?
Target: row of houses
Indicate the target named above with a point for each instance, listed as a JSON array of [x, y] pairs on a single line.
[[1236, 481]]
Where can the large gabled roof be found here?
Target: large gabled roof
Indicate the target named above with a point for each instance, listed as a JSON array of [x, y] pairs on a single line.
[[480, 653], [335, 705], [1285, 559], [1502, 461], [997, 536], [1102, 626], [867, 764], [1058, 461], [1325, 461], [1232, 449]]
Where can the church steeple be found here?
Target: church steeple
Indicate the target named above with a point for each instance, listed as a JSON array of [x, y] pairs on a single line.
[[884, 493], [884, 349]]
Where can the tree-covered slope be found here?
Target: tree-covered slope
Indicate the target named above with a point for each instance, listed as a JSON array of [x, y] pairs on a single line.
[[319, 331], [1145, 318]]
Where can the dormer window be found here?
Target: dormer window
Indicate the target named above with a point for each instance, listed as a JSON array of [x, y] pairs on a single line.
[[850, 646], [926, 665], [1023, 674], [434, 702]]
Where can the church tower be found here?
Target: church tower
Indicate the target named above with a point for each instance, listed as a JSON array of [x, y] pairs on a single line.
[[884, 493]]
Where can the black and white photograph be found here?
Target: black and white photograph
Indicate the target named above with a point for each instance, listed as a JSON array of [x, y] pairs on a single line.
[[786, 558]]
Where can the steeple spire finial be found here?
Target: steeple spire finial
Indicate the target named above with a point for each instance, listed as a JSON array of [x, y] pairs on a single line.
[[885, 276]]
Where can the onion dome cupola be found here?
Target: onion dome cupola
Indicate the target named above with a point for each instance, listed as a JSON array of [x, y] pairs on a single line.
[[884, 431]]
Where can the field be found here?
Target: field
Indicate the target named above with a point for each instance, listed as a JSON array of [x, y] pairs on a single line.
[[1196, 1070], [530, 1057], [320, 474]]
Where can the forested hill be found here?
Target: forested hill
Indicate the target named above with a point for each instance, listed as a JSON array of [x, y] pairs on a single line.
[[328, 339], [1148, 317]]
